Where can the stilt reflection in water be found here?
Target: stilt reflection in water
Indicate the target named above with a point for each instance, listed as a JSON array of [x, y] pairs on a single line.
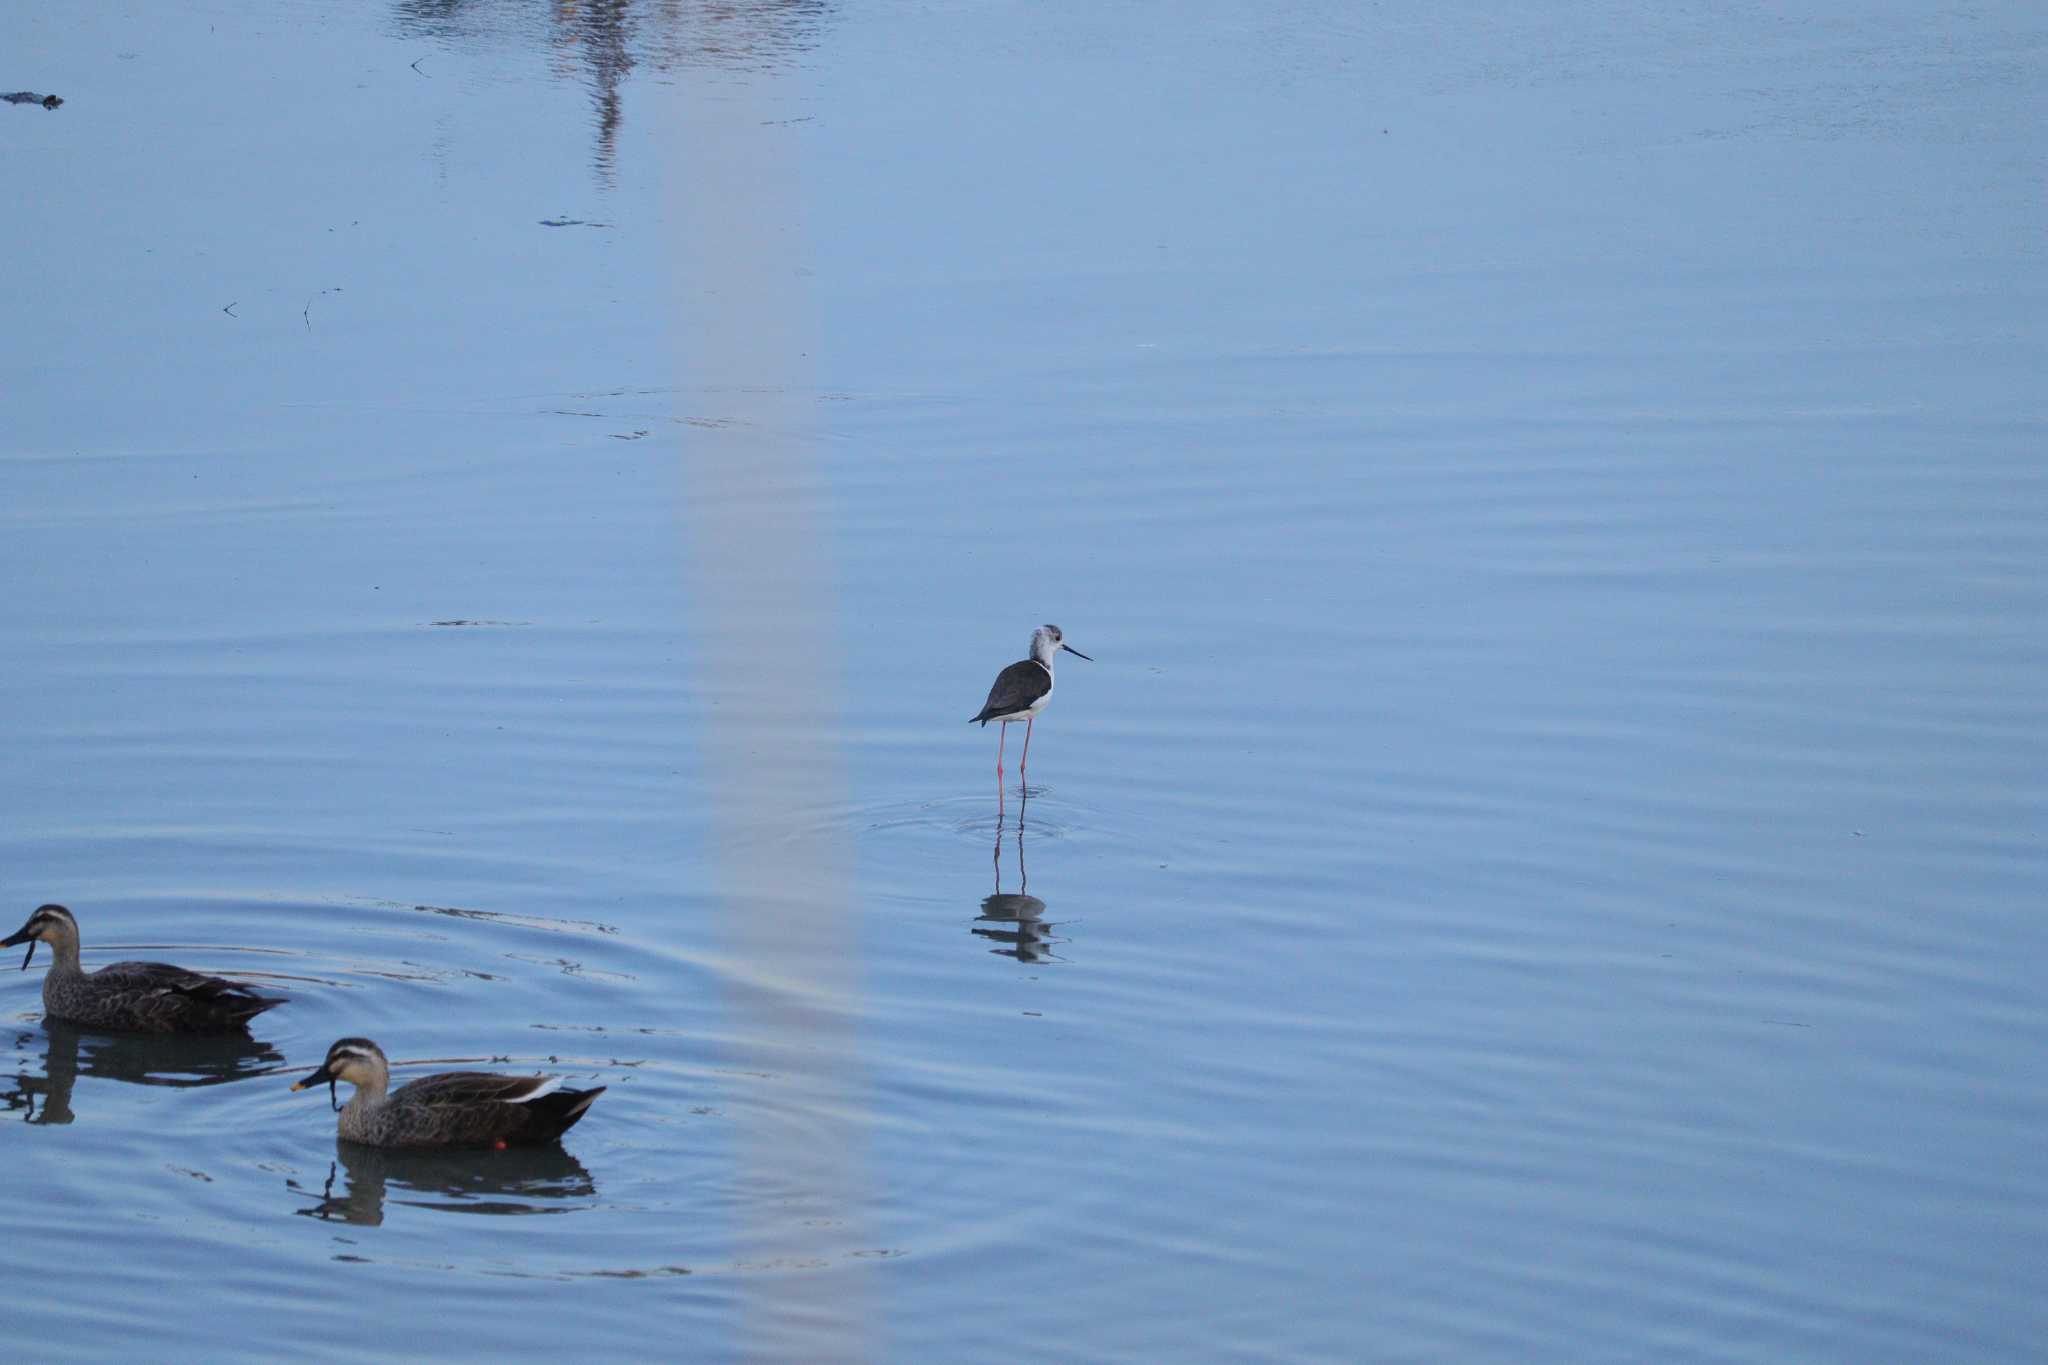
[[167, 1059], [517, 1180], [1026, 934]]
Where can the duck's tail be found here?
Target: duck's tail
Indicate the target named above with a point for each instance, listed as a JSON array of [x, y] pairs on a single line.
[[256, 1004], [565, 1107]]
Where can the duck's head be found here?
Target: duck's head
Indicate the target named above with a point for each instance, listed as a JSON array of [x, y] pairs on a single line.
[[51, 924], [1047, 641], [355, 1060]]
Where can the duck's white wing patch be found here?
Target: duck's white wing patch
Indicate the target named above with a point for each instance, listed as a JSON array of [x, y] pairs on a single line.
[[547, 1085]]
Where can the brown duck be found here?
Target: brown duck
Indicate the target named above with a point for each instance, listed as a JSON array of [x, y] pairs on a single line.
[[145, 997], [450, 1109]]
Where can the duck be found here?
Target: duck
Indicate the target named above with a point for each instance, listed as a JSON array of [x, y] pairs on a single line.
[[138, 997], [448, 1109]]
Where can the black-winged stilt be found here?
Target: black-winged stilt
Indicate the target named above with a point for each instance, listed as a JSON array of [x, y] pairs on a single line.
[[1022, 690]]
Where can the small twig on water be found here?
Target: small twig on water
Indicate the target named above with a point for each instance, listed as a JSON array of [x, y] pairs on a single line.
[[307, 311], [229, 309], [416, 67]]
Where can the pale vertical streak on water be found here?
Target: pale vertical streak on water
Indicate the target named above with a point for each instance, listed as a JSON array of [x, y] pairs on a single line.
[[762, 587]]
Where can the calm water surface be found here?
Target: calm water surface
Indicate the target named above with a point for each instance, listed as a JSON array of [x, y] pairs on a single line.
[[505, 509]]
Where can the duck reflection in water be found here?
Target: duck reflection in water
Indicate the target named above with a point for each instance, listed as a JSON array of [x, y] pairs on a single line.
[[169, 1059], [518, 1180], [1025, 933]]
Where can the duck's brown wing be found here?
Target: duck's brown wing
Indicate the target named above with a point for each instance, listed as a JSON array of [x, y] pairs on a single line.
[[476, 1087], [462, 1107], [175, 999]]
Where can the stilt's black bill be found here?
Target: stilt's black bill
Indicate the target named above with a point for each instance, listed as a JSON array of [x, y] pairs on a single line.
[[1071, 650]]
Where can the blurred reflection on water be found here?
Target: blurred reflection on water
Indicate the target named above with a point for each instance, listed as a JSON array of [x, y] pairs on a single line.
[[602, 42], [137, 1058], [518, 1180]]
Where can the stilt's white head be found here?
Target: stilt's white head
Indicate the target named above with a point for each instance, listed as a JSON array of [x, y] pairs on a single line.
[[1047, 641]]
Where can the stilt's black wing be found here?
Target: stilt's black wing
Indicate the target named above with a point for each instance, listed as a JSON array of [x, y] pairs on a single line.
[[1017, 686]]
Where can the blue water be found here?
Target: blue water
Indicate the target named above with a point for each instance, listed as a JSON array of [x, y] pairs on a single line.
[[505, 510]]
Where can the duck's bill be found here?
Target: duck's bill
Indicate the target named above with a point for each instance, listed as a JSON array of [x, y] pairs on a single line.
[[323, 1074], [320, 1077], [22, 935], [1071, 650]]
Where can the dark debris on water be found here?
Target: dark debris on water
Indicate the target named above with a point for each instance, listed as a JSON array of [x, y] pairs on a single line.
[[31, 97]]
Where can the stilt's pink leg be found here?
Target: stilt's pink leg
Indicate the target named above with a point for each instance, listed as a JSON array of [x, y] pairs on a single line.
[[1003, 732], [1027, 747]]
